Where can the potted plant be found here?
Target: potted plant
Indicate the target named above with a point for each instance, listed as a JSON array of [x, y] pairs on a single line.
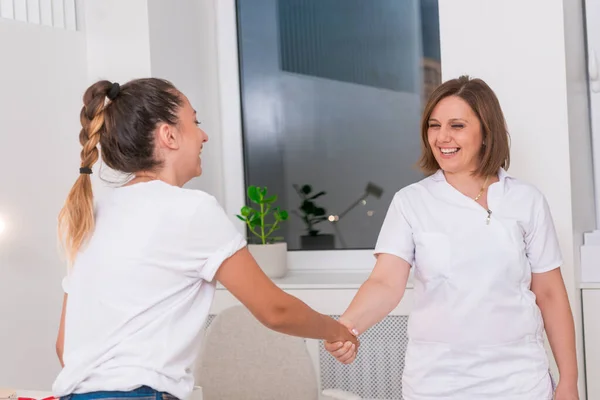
[[262, 221], [312, 215]]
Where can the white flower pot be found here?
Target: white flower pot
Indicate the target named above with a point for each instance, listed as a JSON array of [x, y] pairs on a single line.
[[272, 258]]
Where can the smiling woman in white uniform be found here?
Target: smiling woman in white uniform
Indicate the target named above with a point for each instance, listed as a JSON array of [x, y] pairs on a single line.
[[486, 265]]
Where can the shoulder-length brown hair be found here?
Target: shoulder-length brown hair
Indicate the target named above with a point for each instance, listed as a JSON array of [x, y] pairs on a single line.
[[495, 152]]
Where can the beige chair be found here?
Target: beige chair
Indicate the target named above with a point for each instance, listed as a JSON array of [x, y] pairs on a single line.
[[243, 360]]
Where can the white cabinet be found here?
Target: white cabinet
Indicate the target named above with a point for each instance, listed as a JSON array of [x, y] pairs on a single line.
[[591, 332]]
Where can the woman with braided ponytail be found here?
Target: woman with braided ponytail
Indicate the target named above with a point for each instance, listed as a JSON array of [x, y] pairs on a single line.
[[145, 259]]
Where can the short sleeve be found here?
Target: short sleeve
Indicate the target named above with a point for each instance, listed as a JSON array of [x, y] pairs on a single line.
[[541, 241], [396, 236], [65, 284], [214, 237]]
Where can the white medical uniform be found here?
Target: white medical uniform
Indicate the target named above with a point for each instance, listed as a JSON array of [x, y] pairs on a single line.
[[475, 331]]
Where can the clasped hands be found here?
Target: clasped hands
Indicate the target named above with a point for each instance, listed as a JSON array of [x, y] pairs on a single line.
[[344, 352]]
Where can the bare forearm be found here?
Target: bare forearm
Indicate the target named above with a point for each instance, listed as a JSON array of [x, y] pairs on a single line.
[[60, 340], [274, 308], [560, 329], [297, 319], [373, 302]]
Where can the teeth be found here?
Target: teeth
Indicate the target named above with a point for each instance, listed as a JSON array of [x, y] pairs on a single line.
[[449, 151]]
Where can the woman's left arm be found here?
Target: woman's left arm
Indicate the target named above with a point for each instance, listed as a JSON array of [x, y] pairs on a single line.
[[553, 301], [60, 340]]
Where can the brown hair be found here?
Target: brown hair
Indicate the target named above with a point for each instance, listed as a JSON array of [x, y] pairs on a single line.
[[484, 103], [124, 129]]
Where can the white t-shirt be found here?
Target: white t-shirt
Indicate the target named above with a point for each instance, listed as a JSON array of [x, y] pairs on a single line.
[[141, 289], [475, 331]]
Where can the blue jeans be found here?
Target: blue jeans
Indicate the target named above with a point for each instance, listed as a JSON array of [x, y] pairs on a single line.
[[141, 393]]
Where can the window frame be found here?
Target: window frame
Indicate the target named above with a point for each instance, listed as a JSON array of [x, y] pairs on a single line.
[[233, 157], [592, 32]]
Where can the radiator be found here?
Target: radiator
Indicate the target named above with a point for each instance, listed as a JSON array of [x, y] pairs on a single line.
[[377, 371]]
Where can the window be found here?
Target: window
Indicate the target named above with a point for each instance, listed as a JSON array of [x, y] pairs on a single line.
[[331, 97]]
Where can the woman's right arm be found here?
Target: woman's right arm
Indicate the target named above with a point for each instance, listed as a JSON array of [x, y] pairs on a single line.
[[273, 307], [375, 299], [380, 293], [384, 288]]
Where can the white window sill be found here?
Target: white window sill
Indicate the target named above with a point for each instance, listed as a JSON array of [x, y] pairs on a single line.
[[589, 285], [322, 279], [590, 254]]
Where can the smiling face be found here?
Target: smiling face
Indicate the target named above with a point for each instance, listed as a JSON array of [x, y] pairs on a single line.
[[463, 129], [454, 136], [179, 146], [193, 139]]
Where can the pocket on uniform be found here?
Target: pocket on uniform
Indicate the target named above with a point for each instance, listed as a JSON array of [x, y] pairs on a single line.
[[432, 255]]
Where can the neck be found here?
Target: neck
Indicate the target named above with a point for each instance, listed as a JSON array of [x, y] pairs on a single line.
[[467, 183], [165, 176]]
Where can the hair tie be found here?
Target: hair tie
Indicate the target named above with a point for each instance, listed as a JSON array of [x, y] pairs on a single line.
[[85, 170], [114, 91]]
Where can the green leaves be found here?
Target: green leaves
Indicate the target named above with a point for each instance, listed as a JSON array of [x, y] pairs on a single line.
[[281, 215], [254, 194], [246, 211], [255, 218], [258, 195], [271, 200]]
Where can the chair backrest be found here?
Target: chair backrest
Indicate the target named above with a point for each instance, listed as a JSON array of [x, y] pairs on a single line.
[[242, 359]]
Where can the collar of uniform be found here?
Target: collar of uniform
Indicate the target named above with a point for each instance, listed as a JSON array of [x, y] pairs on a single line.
[[439, 175]]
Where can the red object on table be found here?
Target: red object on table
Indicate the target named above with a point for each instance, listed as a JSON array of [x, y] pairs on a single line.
[[31, 398]]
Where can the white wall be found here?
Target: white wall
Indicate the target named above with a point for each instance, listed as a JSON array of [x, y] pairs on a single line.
[[117, 39], [118, 50], [538, 80], [42, 82], [156, 38], [182, 51]]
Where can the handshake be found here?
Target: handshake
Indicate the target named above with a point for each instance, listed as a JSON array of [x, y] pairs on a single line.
[[344, 349]]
